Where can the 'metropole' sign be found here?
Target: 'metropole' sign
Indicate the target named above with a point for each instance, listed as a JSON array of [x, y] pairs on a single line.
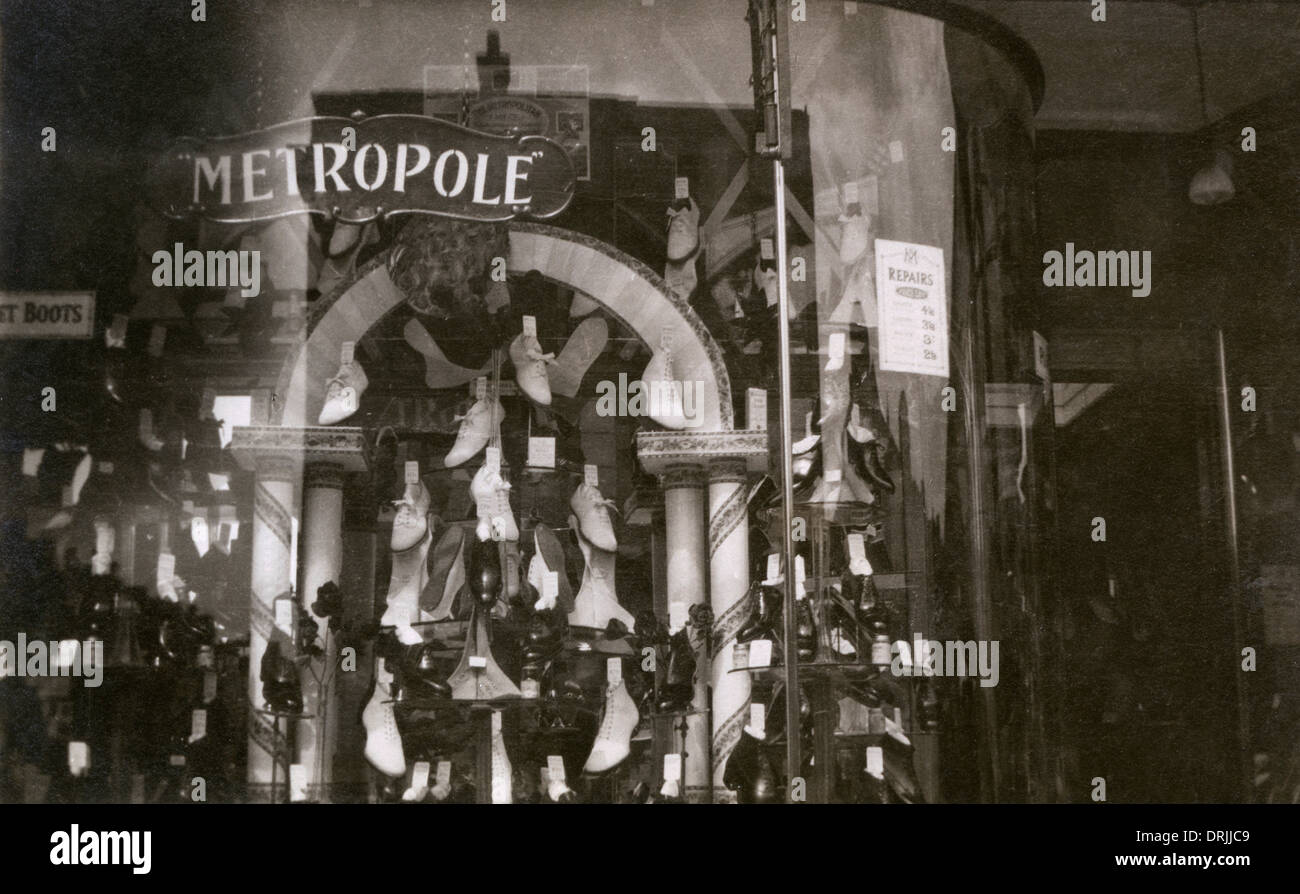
[[359, 170]]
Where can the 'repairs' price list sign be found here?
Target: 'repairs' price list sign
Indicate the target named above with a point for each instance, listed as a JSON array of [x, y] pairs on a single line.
[[913, 308]]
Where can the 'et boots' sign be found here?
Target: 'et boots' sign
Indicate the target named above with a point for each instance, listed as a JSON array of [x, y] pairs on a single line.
[[359, 170]]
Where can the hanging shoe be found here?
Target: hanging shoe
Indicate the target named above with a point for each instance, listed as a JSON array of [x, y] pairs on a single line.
[[343, 393], [531, 368], [446, 575], [412, 520], [476, 428], [439, 371], [491, 494], [405, 584], [664, 395], [595, 604], [679, 681], [383, 747], [592, 511], [548, 555], [581, 350], [614, 740], [683, 231]]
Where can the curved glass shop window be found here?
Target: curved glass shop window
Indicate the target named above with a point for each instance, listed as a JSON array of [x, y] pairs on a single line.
[[919, 412]]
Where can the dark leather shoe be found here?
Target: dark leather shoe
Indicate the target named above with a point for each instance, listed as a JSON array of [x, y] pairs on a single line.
[[764, 622], [485, 572], [679, 681], [806, 629]]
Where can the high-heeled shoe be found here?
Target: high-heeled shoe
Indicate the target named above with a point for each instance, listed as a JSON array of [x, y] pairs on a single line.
[[868, 458], [749, 772], [422, 676], [281, 688]]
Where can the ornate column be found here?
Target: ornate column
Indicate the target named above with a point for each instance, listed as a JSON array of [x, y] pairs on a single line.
[[277, 455], [681, 460]]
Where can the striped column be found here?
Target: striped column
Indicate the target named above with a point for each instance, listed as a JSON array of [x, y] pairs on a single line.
[[687, 585], [728, 586]]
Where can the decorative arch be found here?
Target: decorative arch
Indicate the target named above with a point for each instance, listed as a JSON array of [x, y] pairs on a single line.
[[626, 288]]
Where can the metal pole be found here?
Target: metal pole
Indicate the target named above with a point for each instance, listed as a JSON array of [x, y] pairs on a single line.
[[792, 756], [1234, 570]]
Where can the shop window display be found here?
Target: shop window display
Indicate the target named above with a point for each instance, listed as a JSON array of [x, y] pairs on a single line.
[[500, 516]]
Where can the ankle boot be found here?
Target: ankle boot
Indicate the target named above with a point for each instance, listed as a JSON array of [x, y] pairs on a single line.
[[421, 674], [767, 618], [679, 682]]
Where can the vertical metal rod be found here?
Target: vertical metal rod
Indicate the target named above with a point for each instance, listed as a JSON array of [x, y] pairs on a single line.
[[1234, 570], [793, 758]]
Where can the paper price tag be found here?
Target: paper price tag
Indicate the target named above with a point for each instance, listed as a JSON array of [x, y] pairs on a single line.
[[347, 352], [758, 720], [858, 563], [760, 653], [555, 767], [672, 767], [297, 782], [591, 475], [666, 338], [834, 475], [117, 331], [530, 326], [209, 686], [420, 775], [895, 151], [176, 760], [614, 671], [530, 689], [477, 661], [678, 613], [496, 722], [284, 615], [550, 585], [480, 388], [166, 566], [851, 193], [204, 658], [682, 188], [199, 530], [773, 566], [541, 453], [412, 470], [68, 649], [766, 251], [836, 346], [198, 724], [443, 774], [756, 409], [875, 761], [78, 758], [105, 467], [157, 338], [492, 459], [800, 592]]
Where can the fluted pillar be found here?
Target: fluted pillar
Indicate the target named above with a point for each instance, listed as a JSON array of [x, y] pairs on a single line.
[[688, 585], [322, 558]]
